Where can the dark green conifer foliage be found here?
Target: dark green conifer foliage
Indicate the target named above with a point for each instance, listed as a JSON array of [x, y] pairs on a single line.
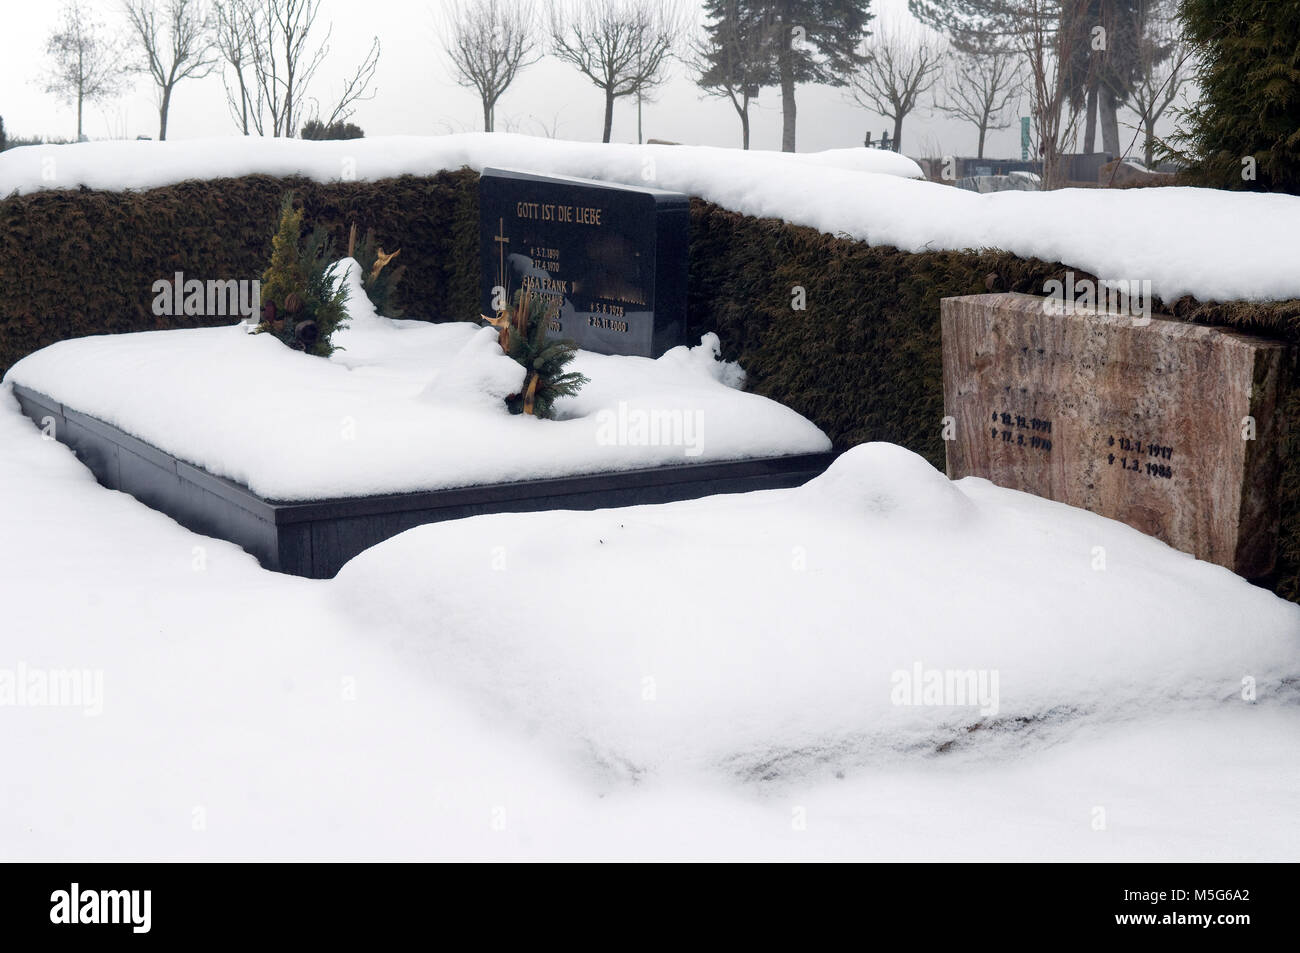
[[526, 342], [1249, 107], [327, 294], [380, 288], [300, 286]]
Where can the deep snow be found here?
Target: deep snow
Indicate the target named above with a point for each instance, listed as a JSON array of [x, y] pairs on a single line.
[[383, 714], [1212, 244], [768, 626]]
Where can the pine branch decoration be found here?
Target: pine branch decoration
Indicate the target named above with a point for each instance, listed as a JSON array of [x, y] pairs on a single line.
[[523, 331]]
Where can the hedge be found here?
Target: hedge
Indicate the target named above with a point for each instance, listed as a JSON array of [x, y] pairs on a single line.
[[862, 359], [78, 263]]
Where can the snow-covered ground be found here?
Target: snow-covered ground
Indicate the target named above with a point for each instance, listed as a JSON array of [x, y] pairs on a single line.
[[880, 664], [706, 679], [1212, 244], [404, 406]]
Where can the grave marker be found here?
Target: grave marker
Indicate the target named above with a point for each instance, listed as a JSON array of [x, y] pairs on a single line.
[[1168, 426], [615, 256]]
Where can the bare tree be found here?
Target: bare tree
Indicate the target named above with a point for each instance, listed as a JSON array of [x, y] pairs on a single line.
[[283, 64], [901, 66], [622, 46], [181, 47], [86, 60], [1048, 31], [270, 48], [551, 129], [1162, 70], [236, 29], [488, 43], [356, 88], [983, 89], [1046, 34]]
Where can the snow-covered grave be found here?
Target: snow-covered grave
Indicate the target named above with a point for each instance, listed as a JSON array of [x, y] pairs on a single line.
[[402, 412]]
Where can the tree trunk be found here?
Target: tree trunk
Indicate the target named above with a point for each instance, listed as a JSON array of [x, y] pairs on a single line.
[[1109, 119], [162, 114], [79, 99], [1051, 166], [787, 114], [744, 127], [487, 115], [609, 114], [898, 133], [1090, 121], [1148, 153], [787, 88], [983, 130]]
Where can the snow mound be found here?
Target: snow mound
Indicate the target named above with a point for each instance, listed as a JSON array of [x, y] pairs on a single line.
[[752, 637], [707, 356], [480, 374], [359, 306], [884, 481]]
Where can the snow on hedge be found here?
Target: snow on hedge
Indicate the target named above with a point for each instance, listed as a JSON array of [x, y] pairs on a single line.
[[788, 633], [404, 406], [1211, 244], [144, 165]]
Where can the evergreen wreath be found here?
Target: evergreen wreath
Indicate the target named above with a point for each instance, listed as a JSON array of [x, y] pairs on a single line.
[[523, 328]]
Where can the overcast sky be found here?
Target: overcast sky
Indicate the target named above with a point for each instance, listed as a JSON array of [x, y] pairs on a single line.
[[416, 94]]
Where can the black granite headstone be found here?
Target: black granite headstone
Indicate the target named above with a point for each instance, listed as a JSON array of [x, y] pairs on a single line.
[[614, 254]]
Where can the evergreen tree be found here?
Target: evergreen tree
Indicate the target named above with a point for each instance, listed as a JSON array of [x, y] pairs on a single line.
[[736, 57], [1102, 63], [1244, 132], [304, 298], [285, 276], [974, 26], [815, 41]]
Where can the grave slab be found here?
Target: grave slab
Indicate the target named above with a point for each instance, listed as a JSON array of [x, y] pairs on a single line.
[[316, 538]]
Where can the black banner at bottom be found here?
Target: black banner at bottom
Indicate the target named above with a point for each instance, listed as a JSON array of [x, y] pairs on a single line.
[[140, 903]]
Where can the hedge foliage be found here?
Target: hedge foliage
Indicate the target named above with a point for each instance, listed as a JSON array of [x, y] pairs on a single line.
[[862, 360], [84, 262]]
